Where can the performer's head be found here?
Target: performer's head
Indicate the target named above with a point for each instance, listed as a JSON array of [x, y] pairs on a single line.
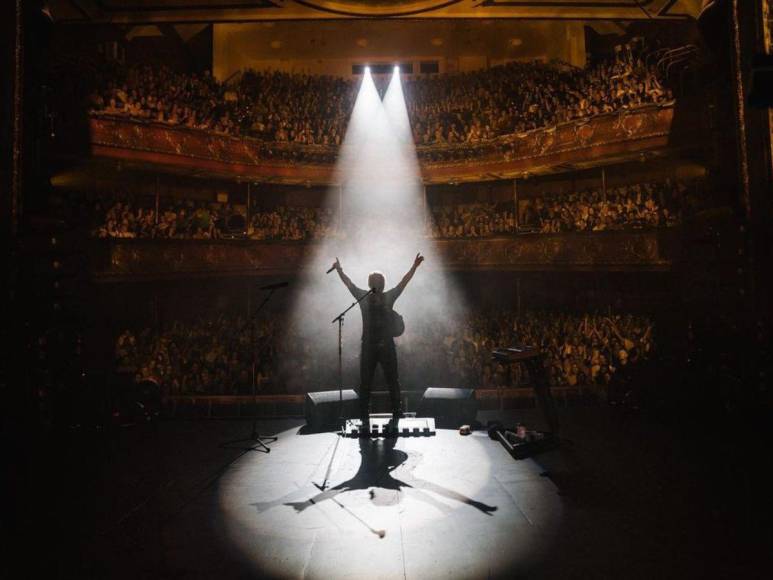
[[376, 281]]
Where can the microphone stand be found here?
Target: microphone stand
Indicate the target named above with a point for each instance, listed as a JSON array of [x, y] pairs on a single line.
[[340, 320], [257, 440]]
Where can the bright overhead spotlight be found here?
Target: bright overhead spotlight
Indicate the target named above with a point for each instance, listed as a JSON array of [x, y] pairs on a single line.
[[397, 69], [367, 70]]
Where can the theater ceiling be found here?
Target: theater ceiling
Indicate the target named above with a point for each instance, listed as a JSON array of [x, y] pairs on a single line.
[[139, 11]]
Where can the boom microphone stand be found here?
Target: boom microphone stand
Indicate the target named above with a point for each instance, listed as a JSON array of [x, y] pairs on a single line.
[[340, 320], [255, 438]]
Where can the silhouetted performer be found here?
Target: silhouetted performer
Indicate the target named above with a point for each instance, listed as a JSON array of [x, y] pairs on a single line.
[[378, 345]]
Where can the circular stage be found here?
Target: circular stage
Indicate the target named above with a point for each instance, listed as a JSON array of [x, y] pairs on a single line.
[[446, 506]]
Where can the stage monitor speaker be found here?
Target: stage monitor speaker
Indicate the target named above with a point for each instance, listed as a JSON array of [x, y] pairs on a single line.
[[322, 407], [450, 408]]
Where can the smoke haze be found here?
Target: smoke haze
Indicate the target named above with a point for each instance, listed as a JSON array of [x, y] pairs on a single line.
[[382, 206]]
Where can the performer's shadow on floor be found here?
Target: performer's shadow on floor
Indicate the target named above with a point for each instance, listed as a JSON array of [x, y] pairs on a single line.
[[378, 459]]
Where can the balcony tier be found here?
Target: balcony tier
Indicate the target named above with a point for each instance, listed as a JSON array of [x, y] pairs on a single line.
[[653, 250], [600, 140]]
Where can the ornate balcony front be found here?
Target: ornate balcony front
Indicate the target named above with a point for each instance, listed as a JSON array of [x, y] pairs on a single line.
[[605, 138], [123, 260]]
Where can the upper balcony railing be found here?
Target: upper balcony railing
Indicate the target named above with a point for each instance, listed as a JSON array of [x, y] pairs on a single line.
[[633, 250], [582, 143]]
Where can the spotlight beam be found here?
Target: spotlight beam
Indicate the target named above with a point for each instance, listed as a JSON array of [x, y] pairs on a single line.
[[384, 227]]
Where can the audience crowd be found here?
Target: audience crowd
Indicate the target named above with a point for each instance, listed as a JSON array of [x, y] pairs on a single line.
[[472, 220], [582, 350], [214, 356], [518, 97], [644, 205], [470, 108], [293, 223], [175, 219], [202, 357], [130, 218]]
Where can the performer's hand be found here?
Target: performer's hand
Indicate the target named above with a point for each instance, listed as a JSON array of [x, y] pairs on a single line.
[[419, 259]]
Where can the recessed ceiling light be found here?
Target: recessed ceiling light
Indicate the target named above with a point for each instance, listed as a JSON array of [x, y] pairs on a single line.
[[276, 44], [362, 42], [437, 42], [516, 42]]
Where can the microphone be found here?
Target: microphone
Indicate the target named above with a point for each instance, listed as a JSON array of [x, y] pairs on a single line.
[[331, 269], [275, 286]]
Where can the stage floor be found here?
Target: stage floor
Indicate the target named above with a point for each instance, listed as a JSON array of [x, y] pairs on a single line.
[[630, 498], [445, 506]]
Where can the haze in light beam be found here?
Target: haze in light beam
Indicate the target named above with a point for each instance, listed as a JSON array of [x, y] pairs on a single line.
[[384, 227]]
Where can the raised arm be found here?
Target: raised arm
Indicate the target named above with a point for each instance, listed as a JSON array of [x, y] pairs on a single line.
[[356, 292], [407, 278], [615, 330]]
